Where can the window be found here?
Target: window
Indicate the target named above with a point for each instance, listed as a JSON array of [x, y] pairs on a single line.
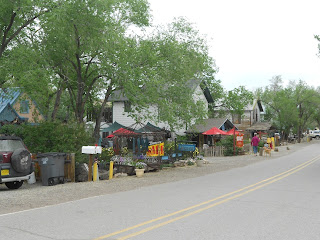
[[107, 115], [24, 106], [127, 106]]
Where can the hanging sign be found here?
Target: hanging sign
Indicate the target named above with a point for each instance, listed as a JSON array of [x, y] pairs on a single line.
[[239, 140]]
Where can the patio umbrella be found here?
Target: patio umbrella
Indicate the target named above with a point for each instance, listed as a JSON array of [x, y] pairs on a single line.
[[214, 131], [230, 132]]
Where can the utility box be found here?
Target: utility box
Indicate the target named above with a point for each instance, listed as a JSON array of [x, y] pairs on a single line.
[[91, 149], [52, 167]]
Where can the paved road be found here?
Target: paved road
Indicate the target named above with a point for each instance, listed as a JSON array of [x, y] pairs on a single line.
[[273, 199]]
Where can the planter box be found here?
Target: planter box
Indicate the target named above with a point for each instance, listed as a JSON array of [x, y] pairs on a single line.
[[153, 163], [125, 169]]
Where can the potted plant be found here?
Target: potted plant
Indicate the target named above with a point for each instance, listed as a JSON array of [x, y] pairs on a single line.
[[139, 168], [199, 161]]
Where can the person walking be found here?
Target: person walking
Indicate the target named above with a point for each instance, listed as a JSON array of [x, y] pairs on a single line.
[[254, 143]]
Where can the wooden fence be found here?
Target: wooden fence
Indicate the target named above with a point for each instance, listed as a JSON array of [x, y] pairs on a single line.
[[214, 151]]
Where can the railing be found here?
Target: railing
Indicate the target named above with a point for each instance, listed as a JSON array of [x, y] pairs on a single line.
[[214, 151]]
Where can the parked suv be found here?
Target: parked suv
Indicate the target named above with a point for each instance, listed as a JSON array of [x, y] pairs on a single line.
[[15, 162]]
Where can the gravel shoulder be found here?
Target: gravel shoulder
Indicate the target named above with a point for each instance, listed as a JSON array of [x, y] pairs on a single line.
[[36, 195]]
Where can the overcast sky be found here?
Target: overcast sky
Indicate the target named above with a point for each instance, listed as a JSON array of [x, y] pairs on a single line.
[[253, 40]]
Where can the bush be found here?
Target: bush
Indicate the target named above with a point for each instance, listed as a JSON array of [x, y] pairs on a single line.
[[52, 137], [227, 143]]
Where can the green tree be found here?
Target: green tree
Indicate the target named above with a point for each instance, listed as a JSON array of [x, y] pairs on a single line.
[[231, 102], [17, 22], [290, 108], [94, 55]]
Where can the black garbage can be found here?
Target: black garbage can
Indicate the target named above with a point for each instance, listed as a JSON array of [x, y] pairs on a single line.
[[52, 167]]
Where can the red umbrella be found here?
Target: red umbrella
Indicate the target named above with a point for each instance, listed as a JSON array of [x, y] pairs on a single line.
[[122, 131], [230, 132], [214, 131]]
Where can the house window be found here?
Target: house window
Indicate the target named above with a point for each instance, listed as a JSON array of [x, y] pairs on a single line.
[[107, 115], [24, 106], [127, 106]]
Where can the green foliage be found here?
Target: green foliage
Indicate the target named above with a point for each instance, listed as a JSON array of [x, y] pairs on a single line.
[[106, 154], [169, 147], [51, 137], [77, 51], [227, 143], [291, 108]]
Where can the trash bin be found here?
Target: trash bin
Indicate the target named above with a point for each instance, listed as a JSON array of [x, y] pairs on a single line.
[[52, 167]]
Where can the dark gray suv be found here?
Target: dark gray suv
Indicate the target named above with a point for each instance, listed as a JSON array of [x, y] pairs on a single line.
[[15, 162]]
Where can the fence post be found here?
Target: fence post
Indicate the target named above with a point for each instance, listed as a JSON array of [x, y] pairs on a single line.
[[90, 168], [73, 167]]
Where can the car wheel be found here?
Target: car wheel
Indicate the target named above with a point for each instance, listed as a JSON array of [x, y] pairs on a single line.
[[21, 160], [14, 185]]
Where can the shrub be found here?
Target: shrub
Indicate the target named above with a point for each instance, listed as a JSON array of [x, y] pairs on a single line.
[[52, 137], [227, 143]]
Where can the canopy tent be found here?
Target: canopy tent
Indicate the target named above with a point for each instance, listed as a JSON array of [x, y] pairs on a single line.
[[231, 132], [115, 126], [149, 128], [122, 132], [214, 131]]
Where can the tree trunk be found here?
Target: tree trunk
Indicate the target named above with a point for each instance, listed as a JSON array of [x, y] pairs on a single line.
[[96, 133], [56, 104]]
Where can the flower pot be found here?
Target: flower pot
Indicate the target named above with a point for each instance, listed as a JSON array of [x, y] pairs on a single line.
[[139, 172], [200, 163]]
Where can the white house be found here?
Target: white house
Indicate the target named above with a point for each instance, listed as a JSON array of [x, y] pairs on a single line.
[[121, 107], [252, 114]]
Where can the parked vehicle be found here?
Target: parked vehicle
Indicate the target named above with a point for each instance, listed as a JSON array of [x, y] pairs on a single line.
[[314, 134], [15, 162]]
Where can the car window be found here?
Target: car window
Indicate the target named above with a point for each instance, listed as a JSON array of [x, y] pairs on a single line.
[[10, 145]]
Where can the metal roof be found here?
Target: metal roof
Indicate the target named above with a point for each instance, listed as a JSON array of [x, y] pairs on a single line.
[[8, 96], [208, 124]]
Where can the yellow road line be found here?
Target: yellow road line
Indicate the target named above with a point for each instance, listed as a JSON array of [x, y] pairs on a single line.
[[268, 181]]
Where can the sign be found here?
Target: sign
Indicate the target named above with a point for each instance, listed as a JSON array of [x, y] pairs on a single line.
[[156, 150], [239, 140], [187, 147]]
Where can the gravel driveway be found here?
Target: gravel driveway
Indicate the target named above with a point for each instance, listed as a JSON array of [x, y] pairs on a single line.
[[36, 195]]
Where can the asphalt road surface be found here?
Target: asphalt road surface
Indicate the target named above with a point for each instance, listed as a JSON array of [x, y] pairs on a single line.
[[272, 199]]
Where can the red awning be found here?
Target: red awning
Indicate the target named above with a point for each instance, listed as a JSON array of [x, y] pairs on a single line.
[[230, 132], [214, 131], [122, 131]]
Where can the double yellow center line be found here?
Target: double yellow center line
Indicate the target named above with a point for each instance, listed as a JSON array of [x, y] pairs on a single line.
[[206, 205]]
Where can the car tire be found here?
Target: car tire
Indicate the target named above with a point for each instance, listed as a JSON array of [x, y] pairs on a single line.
[[14, 185], [21, 160]]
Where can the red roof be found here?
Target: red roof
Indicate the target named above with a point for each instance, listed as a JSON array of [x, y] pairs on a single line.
[[214, 131], [121, 131]]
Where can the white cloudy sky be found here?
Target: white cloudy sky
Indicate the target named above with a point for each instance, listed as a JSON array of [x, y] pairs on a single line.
[[253, 40]]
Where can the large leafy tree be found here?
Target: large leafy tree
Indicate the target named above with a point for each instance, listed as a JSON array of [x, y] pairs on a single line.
[[290, 108], [88, 46], [17, 23], [86, 43]]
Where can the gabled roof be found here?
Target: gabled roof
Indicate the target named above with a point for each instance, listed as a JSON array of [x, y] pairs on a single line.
[[254, 104], [260, 126], [117, 96], [8, 96], [210, 123]]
